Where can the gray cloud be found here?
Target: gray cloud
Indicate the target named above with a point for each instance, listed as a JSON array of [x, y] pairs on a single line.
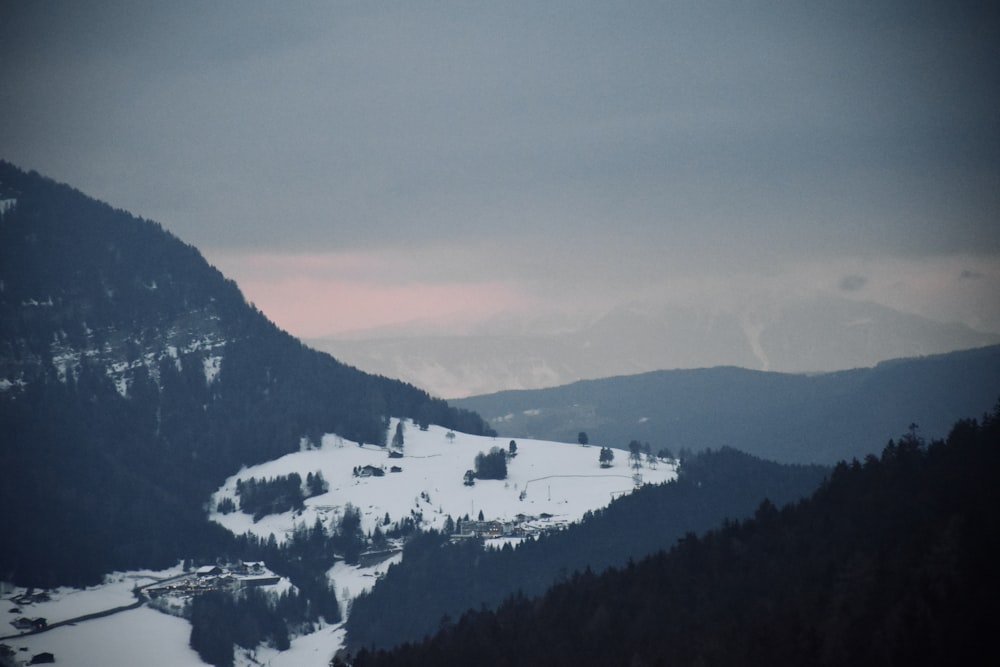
[[586, 143], [829, 128], [852, 283]]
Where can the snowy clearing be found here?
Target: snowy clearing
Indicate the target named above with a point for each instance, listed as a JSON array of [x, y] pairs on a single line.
[[557, 479]]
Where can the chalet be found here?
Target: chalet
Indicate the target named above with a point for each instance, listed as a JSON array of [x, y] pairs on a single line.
[[42, 658], [395, 469], [208, 571], [486, 529], [250, 567], [24, 623], [371, 471]]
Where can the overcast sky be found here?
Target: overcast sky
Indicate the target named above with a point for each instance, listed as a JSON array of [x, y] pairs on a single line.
[[359, 164]]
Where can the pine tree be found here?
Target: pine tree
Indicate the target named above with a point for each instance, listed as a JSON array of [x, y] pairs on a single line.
[[606, 457]]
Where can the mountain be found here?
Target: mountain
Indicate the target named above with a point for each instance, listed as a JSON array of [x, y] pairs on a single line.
[[889, 562], [134, 378], [792, 418], [409, 602], [819, 333]]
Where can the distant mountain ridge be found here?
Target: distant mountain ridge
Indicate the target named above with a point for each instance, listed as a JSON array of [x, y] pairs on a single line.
[[790, 418], [817, 334], [134, 378]]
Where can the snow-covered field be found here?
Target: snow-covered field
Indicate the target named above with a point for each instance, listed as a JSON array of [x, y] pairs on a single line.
[[557, 479], [140, 636]]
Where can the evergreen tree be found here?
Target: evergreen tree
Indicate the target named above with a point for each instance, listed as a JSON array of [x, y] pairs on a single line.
[[397, 438], [635, 454], [606, 456], [492, 465]]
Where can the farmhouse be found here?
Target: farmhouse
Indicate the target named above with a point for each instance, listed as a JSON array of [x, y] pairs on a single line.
[[35, 624]]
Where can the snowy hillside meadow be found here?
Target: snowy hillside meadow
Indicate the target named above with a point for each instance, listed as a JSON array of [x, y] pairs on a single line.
[[557, 479], [550, 484]]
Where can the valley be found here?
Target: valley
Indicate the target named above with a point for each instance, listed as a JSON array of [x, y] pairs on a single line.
[[550, 485]]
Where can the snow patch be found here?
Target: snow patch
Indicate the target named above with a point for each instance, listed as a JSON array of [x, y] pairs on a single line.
[[140, 636], [211, 366], [7, 385]]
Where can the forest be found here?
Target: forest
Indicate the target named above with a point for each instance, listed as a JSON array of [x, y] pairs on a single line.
[[437, 579], [890, 561]]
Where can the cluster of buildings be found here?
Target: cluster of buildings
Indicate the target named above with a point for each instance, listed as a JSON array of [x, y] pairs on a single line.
[[215, 578], [522, 526], [23, 623]]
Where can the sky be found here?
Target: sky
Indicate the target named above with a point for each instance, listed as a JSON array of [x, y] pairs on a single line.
[[455, 166]]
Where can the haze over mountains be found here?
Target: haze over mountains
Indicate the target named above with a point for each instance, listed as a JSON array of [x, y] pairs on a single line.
[[822, 332]]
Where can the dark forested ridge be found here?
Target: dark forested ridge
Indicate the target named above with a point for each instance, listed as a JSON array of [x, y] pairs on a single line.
[[785, 417], [890, 562], [134, 378], [437, 579]]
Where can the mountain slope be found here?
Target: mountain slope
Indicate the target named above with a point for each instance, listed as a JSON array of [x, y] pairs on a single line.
[[890, 562], [134, 378], [436, 579], [778, 416]]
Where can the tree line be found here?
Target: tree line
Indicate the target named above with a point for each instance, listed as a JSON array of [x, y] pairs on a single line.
[[437, 579], [890, 561]]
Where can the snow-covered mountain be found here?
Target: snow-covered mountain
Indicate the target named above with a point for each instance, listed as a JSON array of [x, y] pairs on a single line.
[[810, 334]]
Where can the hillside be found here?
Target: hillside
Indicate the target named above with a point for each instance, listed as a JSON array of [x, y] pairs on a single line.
[[134, 378], [409, 602], [783, 417], [889, 562], [554, 479]]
